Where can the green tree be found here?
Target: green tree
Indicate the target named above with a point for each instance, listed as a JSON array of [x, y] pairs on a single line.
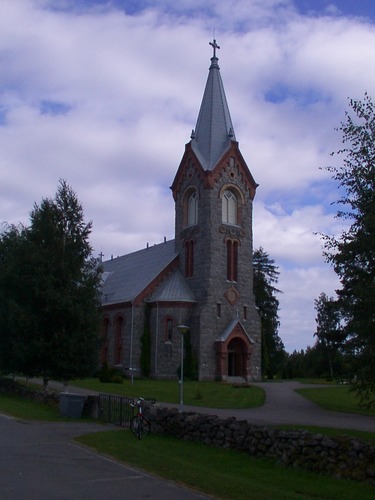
[[328, 328], [17, 315], [60, 297], [266, 275], [352, 254], [295, 365]]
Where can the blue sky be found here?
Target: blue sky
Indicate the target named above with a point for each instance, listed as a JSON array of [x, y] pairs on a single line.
[[363, 8], [105, 94]]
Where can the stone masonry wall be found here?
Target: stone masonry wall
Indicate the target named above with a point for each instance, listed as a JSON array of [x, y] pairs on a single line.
[[341, 457], [209, 281]]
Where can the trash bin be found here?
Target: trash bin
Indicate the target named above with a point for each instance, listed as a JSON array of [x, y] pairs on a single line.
[[71, 405]]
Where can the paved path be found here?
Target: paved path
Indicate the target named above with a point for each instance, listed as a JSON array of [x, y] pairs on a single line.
[[41, 461], [283, 405]]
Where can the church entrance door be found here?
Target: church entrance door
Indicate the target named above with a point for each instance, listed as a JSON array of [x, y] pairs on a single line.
[[237, 355]]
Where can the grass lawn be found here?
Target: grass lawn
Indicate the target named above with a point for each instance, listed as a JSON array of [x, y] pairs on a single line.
[[336, 398], [330, 431], [226, 474], [320, 381], [222, 395], [206, 394], [27, 409], [223, 473]]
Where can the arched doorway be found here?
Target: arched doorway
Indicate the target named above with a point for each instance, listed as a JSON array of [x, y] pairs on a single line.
[[237, 356]]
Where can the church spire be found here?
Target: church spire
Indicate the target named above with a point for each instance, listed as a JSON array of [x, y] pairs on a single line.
[[214, 130]]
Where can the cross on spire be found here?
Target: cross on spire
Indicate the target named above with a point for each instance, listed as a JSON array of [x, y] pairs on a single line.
[[214, 46]]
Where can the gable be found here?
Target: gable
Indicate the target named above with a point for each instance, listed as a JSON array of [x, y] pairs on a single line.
[[233, 155], [174, 289], [190, 165], [234, 329]]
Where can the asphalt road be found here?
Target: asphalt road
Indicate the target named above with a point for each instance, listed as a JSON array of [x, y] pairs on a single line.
[[285, 406], [40, 461]]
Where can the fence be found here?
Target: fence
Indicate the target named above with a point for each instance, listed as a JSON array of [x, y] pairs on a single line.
[[116, 409]]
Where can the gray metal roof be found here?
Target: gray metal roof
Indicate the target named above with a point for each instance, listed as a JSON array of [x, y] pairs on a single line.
[[214, 130], [174, 289], [124, 278]]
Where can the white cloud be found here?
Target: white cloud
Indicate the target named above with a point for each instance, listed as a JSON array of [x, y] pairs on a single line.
[[300, 287], [106, 100], [290, 238]]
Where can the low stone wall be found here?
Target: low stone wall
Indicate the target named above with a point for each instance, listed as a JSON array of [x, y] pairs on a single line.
[[51, 398], [13, 388], [341, 457]]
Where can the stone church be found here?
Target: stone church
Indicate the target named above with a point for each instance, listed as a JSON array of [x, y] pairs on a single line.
[[200, 283]]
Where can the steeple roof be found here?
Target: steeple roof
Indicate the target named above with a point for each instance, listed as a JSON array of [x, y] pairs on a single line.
[[214, 129]]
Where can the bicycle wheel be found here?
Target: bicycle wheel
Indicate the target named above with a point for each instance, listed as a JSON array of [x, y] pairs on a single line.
[[135, 426], [145, 427]]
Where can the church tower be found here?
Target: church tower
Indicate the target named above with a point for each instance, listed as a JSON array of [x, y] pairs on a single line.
[[213, 191]]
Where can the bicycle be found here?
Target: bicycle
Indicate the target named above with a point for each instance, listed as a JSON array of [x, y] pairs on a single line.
[[139, 424]]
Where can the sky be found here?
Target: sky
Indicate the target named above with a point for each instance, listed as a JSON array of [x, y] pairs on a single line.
[[104, 94]]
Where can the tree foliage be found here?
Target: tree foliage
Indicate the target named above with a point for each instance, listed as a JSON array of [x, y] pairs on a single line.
[[352, 254], [266, 275], [312, 362], [17, 315], [49, 288], [328, 327]]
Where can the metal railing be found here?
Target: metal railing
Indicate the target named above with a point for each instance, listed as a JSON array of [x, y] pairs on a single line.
[[116, 409]]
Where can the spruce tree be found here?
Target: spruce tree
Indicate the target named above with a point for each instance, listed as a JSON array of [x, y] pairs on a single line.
[[266, 275], [352, 253], [55, 292]]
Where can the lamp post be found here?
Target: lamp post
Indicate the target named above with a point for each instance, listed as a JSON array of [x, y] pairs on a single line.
[[182, 329]]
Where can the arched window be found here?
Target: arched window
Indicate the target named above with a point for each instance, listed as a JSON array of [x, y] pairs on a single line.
[[189, 258], [232, 260], [192, 209], [105, 339], [117, 358], [229, 207], [168, 329], [245, 312]]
